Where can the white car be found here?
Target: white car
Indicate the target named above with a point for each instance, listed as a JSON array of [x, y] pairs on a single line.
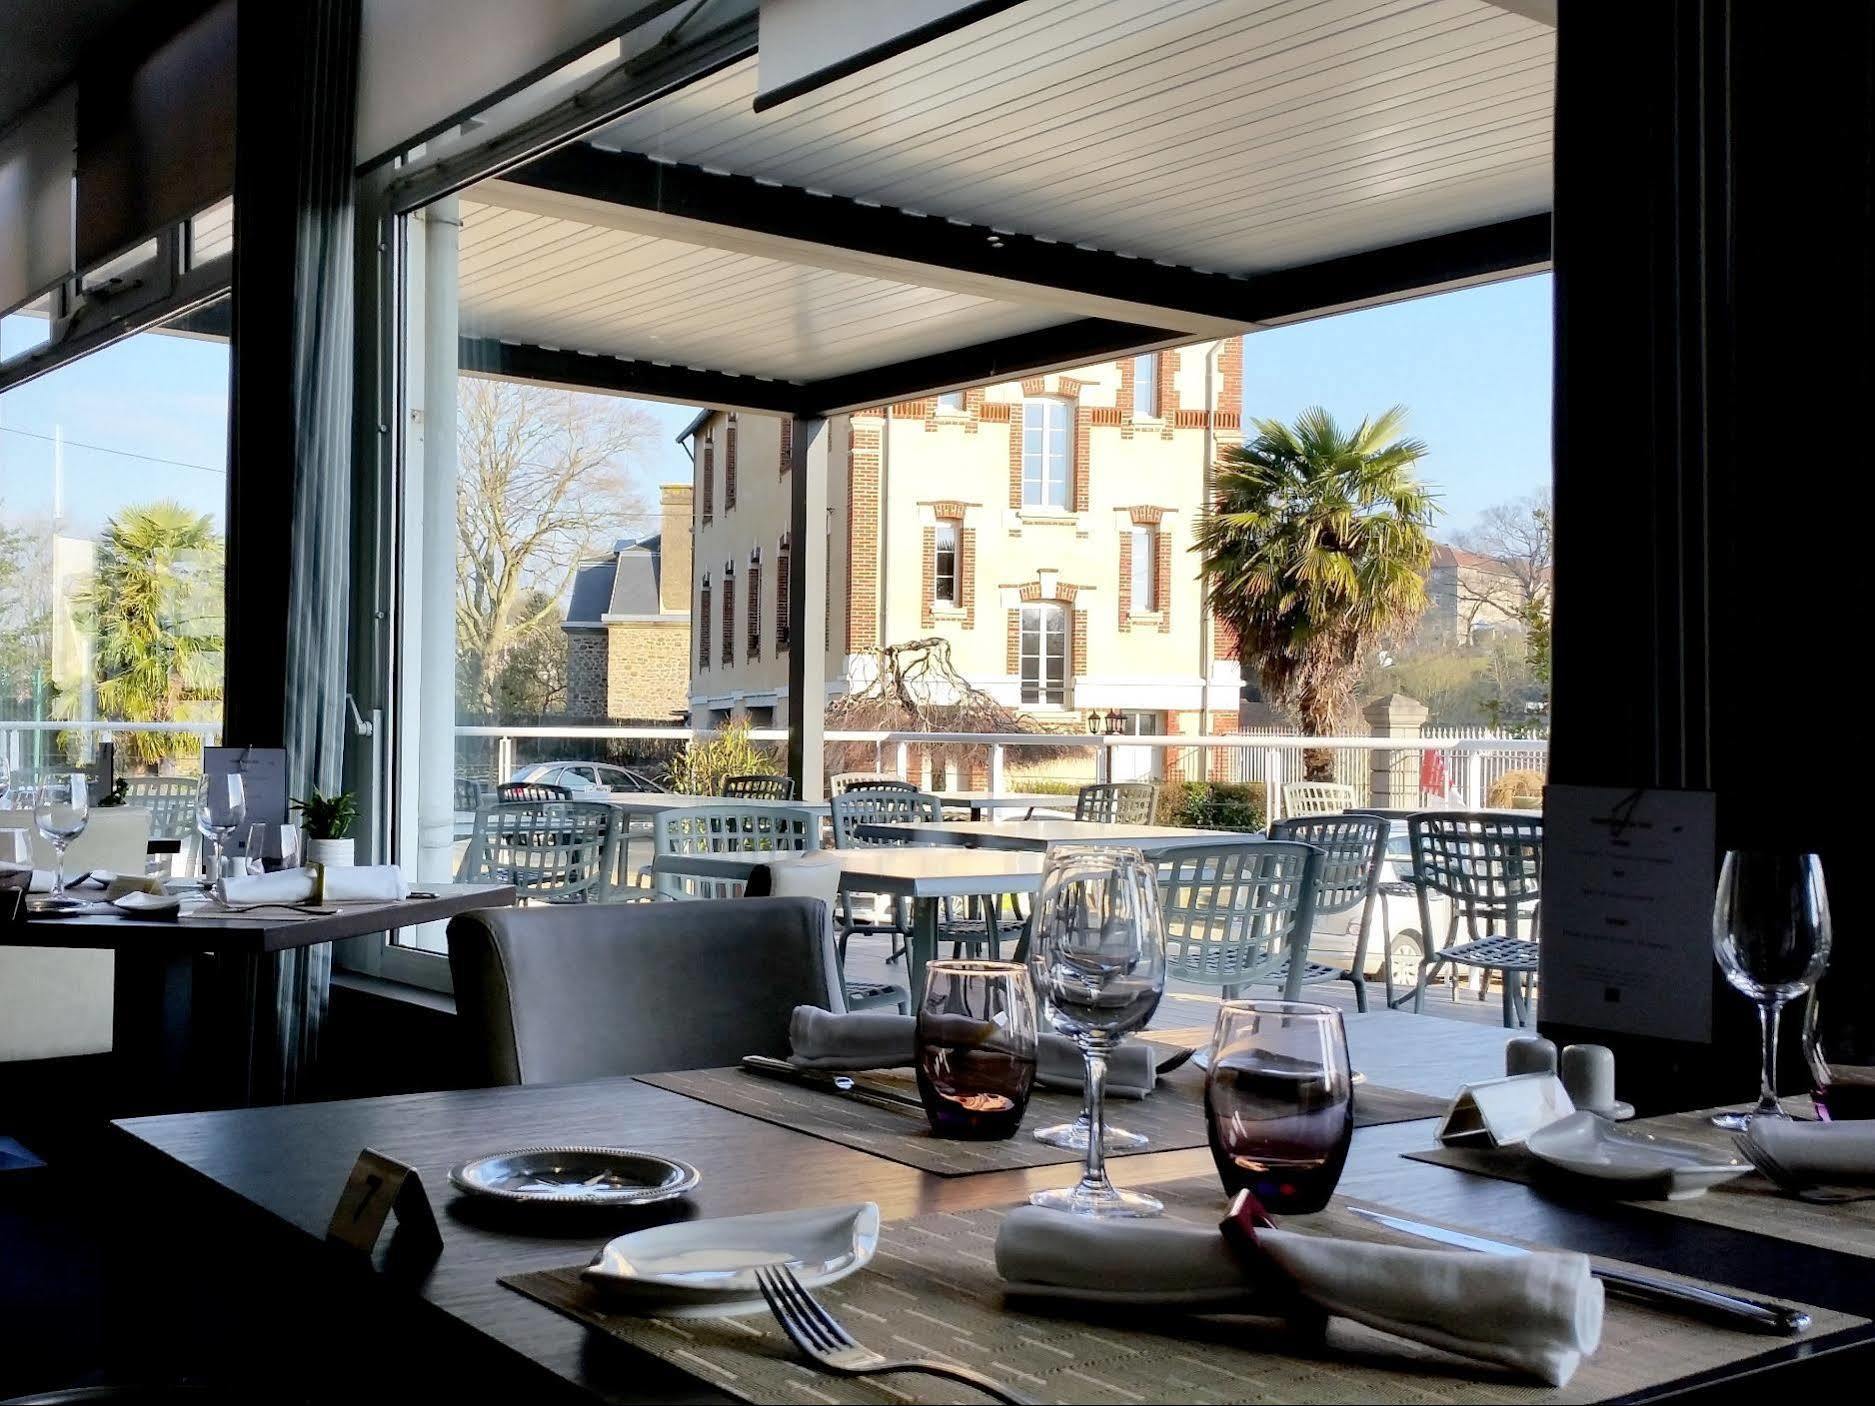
[[586, 781]]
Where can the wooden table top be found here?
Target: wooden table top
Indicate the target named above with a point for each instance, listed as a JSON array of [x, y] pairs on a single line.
[[288, 1164], [250, 934]]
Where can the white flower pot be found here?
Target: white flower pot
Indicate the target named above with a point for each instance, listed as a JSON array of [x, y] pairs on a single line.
[[329, 852]]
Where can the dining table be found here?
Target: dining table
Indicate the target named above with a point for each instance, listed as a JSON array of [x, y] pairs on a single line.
[[249, 1196], [1037, 835]]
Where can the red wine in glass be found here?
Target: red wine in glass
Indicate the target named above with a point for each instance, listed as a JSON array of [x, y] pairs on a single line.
[[974, 1093], [1847, 1097], [976, 1048], [1280, 1128]]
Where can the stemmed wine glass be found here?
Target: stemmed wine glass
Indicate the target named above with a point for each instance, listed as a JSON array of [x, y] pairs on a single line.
[[1097, 954], [221, 806], [1771, 934], [61, 810]]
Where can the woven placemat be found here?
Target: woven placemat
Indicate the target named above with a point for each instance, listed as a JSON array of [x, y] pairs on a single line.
[[1749, 1203], [932, 1291], [1172, 1117]]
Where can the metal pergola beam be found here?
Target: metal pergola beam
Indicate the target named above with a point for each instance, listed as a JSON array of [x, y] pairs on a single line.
[[616, 375]]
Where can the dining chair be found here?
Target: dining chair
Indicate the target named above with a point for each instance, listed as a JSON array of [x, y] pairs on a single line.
[[891, 805], [1353, 848], [727, 829], [1306, 798], [1490, 868], [758, 788], [171, 802], [818, 876], [554, 995], [531, 791], [844, 781], [1117, 802], [1238, 914], [552, 851]]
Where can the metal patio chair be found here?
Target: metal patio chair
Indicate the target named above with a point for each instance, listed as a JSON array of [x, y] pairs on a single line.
[[844, 781], [1353, 848], [891, 805], [1490, 868], [1117, 802], [727, 829], [758, 788], [1306, 798], [1238, 914], [551, 851], [171, 802]]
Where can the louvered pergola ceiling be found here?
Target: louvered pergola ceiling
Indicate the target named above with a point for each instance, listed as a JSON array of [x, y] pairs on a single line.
[[1061, 182]]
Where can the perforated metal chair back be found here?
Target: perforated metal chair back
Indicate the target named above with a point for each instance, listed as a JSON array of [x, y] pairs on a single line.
[[470, 792], [531, 791], [1117, 802], [170, 800], [551, 851], [1482, 861], [881, 805], [758, 788], [1236, 913], [727, 829], [1304, 798], [1352, 847], [868, 781]]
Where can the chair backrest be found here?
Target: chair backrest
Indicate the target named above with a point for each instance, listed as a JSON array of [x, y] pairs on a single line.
[[880, 805], [531, 791], [470, 793], [551, 995], [1352, 846], [844, 781], [1235, 911], [758, 788], [1478, 859], [1117, 802], [1302, 798], [727, 829], [553, 851], [170, 800]]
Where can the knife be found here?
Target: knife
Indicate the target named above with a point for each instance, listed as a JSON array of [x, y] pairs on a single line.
[[1640, 1288], [830, 1082]]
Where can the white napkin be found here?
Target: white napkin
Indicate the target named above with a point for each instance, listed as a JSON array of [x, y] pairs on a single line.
[[1839, 1152], [345, 882], [883, 1040], [1539, 1313]]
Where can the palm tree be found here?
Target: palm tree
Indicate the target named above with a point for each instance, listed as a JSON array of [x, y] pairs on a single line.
[[154, 608], [1315, 553]]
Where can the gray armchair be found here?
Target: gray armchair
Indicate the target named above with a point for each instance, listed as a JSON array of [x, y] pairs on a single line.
[[555, 995]]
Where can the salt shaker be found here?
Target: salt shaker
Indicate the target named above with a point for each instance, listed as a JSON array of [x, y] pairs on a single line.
[[1529, 1054]]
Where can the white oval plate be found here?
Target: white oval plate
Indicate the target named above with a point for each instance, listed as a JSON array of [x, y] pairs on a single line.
[[1587, 1145], [706, 1268]]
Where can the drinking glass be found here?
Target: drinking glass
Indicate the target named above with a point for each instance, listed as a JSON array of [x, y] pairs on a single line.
[[1097, 953], [1771, 934], [221, 806], [272, 847], [976, 1048], [1839, 1047], [61, 809], [1279, 1102]]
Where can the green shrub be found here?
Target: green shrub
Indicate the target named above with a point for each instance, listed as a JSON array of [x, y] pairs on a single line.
[[1213, 805], [1045, 786], [702, 767]]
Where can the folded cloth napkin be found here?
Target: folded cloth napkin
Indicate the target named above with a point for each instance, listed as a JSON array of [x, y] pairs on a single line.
[[1540, 1313], [342, 883], [43, 880], [882, 1040], [1839, 1152]]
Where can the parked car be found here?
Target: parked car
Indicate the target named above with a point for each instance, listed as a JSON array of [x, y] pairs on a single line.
[[588, 781]]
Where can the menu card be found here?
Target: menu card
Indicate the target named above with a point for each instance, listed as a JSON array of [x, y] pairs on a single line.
[[263, 782], [1628, 880]]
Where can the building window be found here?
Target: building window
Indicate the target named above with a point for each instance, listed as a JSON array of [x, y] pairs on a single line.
[[944, 571], [729, 467], [1145, 569], [709, 478], [1044, 654], [1046, 428], [784, 584], [703, 624], [951, 403], [1146, 386], [755, 604], [729, 615]]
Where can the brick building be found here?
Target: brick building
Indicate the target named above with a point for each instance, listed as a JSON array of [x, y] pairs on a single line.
[[1042, 527], [628, 623]]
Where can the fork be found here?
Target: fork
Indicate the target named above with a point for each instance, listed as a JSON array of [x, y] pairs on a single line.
[[818, 1334], [1775, 1172]]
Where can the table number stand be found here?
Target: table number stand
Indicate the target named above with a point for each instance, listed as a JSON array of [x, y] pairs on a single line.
[[378, 1187]]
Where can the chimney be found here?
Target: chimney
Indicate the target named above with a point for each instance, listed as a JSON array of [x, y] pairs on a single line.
[[674, 550]]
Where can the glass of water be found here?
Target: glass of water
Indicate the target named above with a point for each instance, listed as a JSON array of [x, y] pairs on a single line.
[[61, 809], [221, 806]]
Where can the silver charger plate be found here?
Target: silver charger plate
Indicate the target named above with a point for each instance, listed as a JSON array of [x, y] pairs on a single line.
[[575, 1176]]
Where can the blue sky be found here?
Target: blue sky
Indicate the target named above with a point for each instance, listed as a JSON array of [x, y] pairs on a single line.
[[148, 417]]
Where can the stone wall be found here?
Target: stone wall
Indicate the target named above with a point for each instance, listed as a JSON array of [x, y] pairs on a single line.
[[648, 670], [586, 673]]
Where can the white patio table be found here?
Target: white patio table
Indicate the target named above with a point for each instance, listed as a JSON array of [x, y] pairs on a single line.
[[1036, 835]]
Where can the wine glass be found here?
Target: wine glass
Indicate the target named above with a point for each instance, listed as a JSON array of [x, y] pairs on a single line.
[[1839, 1047], [1279, 1102], [1771, 934], [1097, 953], [61, 810], [270, 848], [221, 806], [976, 1048]]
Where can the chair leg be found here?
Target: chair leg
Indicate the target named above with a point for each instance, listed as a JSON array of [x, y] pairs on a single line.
[[1425, 975], [1510, 999], [1360, 991]]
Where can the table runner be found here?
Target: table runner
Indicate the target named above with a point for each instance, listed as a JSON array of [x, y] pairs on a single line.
[[1173, 1117], [1749, 1203], [932, 1291]]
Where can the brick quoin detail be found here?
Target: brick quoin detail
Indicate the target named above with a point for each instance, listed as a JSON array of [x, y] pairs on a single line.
[[1223, 641], [1162, 579], [1015, 641], [1147, 515], [862, 596], [709, 477], [927, 616], [1126, 580], [1032, 590], [787, 443], [967, 571], [1015, 461], [729, 466], [1077, 650], [1083, 451]]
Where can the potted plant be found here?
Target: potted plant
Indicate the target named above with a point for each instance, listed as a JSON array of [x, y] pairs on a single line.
[[327, 821]]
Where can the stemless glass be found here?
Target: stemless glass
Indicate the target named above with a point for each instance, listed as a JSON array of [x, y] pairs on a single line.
[[1771, 934], [1279, 1102], [270, 848], [976, 1048], [61, 810], [1097, 951], [1839, 1047], [221, 806]]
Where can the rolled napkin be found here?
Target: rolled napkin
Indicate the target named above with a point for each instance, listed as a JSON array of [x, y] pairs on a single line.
[[1539, 1313], [882, 1040], [343, 883], [1830, 1152]]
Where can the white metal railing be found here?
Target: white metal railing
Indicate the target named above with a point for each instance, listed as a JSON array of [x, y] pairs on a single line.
[[14, 731]]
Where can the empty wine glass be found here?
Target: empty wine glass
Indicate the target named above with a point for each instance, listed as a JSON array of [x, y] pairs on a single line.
[[61, 810], [1097, 953], [221, 806], [1771, 934]]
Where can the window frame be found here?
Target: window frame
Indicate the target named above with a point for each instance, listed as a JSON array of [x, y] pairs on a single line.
[[1038, 686], [951, 528], [1143, 585], [1036, 462], [1146, 404], [952, 403]]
